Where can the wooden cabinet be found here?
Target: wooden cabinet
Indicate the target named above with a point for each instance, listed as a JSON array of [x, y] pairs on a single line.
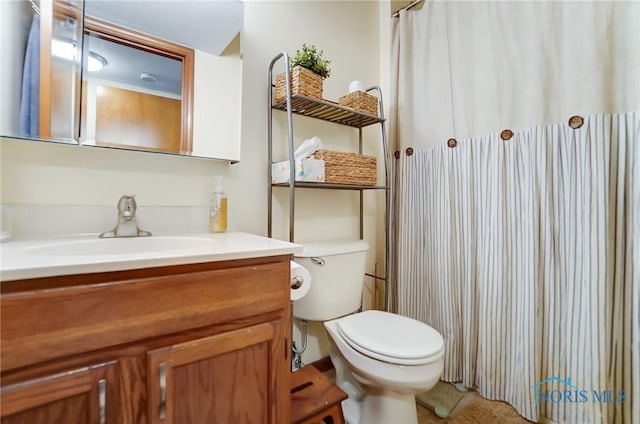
[[202, 343], [180, 378], [84, 395]]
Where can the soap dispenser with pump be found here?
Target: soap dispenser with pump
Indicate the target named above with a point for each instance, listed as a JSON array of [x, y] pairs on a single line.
[[218, 208]]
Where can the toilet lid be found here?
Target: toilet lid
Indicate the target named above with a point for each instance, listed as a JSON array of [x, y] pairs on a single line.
[[391, 338]]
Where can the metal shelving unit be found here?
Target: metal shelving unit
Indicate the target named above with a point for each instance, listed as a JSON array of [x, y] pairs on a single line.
[[328, 111], [331, 112]]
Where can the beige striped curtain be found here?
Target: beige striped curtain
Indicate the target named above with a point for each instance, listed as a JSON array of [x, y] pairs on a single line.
[[525, 255]]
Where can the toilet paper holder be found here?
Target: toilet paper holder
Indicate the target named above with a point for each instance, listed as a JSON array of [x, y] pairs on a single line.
[[296, 282]]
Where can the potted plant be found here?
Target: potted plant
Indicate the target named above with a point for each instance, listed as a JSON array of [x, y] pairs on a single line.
[[308, 70]]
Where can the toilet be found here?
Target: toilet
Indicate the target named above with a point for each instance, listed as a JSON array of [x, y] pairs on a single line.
[[382, 360]]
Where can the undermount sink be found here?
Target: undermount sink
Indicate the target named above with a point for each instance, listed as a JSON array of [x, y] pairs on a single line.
[[120, 246]]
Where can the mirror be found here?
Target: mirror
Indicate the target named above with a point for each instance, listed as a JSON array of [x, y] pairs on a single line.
[[137, 90], [39, 75], [162, 76]]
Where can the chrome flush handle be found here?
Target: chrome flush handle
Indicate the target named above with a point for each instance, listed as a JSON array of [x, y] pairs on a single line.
[[317, 261]]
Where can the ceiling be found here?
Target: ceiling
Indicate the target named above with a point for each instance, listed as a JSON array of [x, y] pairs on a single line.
[[207, 25], [126, 64]]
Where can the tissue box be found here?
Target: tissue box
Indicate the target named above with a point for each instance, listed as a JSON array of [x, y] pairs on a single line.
[[307, 169]]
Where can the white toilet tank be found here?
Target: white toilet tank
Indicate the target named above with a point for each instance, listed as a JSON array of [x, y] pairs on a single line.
[[337, 279]]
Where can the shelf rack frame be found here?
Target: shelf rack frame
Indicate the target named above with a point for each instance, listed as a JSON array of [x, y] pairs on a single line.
[[295, 104]]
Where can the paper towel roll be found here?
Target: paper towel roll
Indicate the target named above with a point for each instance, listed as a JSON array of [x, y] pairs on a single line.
[[300, 281]]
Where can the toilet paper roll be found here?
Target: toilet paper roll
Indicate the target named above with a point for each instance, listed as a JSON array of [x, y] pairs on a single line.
[[356, 86], [300, 281]]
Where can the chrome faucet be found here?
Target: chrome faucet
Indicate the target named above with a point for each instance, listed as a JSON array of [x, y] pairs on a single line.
[[127, 225]]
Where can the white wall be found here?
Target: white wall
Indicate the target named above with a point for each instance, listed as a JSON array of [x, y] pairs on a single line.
[[48, 174], [347, 32]]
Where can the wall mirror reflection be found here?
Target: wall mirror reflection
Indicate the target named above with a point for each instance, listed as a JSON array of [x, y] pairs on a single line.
[[157, 75], [163, 76], [137, 90], [40, 72]]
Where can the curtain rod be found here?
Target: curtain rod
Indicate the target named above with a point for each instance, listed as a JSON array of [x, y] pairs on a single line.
[[407, 7]]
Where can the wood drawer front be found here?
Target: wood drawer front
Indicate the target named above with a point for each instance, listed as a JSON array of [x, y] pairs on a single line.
[[48, 324]]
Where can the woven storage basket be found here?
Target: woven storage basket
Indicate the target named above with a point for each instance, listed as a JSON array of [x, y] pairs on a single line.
[[348, 168], [303, 82], [360, 101]]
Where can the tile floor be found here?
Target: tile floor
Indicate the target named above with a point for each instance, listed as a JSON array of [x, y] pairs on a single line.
[[474, 409]]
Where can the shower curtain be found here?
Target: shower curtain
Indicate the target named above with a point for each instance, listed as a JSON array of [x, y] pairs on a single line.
[[522, 247], [30, 95]]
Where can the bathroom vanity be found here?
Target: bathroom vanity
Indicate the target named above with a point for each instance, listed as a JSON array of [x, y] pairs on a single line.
[[199, 335]]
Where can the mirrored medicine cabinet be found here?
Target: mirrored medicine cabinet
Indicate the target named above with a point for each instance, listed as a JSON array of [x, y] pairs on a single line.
[[157, 76]]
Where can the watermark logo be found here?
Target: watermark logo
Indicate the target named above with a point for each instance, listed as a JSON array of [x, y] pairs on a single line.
[[557, 390]]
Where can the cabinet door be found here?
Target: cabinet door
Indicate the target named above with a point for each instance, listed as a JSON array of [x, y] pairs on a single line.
[[80, 396], [235, 377]]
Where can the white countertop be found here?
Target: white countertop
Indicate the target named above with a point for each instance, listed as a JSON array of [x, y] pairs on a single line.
[[22, 259]]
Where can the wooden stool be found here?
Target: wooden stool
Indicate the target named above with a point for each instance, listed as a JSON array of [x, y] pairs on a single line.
[[314, 399]]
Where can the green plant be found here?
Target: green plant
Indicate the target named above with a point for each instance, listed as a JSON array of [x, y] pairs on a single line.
[[309, 58]]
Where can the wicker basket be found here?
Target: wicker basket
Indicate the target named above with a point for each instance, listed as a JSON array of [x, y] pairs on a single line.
[[360, 101], [303, 82], [348, 168]]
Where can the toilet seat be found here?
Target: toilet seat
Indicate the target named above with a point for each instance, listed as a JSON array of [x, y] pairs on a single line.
[[391, 338]]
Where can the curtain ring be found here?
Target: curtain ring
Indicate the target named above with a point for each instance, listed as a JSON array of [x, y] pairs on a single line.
[[452, 142], [576, 122], [506, 134], [396, 154], [409, 151]]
